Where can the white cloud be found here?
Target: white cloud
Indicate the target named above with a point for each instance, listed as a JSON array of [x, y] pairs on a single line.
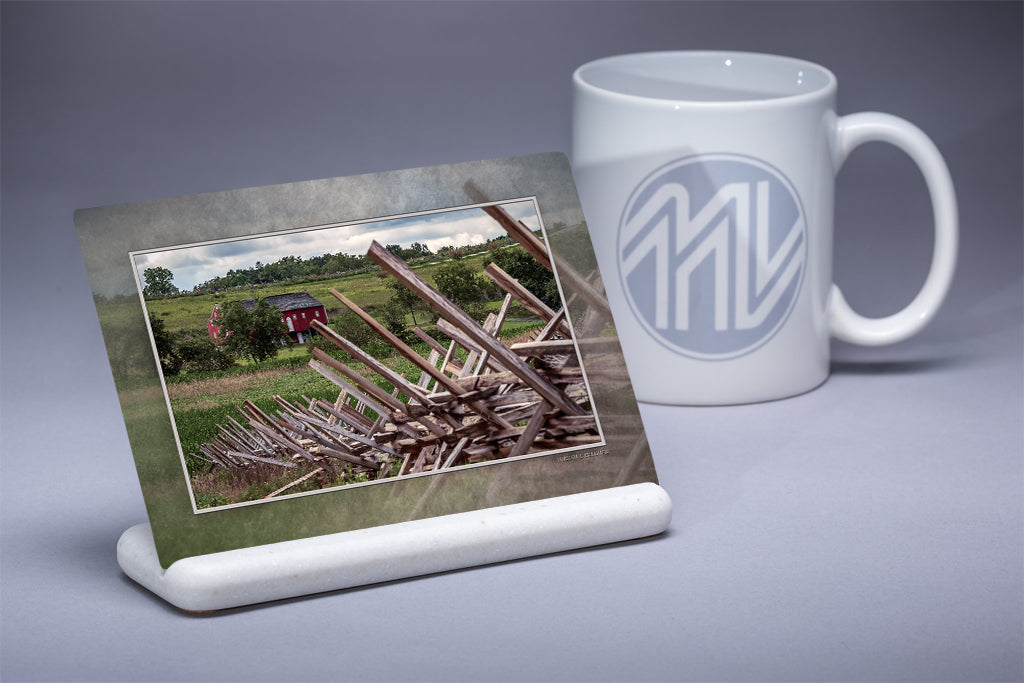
[[192, 265], [454, 240]]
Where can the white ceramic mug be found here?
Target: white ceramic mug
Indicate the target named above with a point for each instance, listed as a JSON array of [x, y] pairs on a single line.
[[707, 180]]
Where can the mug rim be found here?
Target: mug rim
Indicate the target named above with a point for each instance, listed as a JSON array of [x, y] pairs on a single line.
[[828, 87]]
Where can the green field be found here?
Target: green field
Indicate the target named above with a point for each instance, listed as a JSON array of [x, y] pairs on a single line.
[[190, 313], [201, 401]]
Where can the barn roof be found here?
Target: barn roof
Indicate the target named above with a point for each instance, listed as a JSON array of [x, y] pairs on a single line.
[[287, 302]]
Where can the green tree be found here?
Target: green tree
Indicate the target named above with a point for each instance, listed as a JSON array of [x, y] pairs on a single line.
[[253, 333], [392, 316], [170, 361], [530, 273], [460, 283], [404, 298], [416, 250], [200, 354], [464, 286], [159, 282]]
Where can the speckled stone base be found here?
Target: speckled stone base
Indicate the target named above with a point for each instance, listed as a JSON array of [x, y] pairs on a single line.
[[398, 551]]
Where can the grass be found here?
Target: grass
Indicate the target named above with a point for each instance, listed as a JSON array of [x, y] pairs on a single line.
[[200, 404], [202, 401], [288, 356]]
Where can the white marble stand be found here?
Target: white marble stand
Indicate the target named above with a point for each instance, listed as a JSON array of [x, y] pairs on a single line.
[[397, 551]]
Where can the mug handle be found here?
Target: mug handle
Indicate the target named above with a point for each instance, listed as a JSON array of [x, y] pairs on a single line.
[[852, 131]]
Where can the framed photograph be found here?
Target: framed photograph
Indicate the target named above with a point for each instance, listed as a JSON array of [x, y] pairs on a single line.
[[331, 355]]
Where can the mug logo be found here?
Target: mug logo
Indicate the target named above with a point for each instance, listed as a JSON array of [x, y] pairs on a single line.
[[712, 250]]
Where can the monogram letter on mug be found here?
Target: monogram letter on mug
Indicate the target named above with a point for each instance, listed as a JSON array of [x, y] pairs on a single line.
[[707, 179]]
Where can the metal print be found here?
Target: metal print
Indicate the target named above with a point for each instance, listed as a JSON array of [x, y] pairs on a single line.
[[388, 389], [331, 355]]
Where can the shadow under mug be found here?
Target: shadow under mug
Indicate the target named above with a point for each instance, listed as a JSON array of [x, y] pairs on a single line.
[[707, 180]]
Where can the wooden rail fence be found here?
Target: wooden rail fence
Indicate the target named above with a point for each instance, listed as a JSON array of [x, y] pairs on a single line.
[[498, 402]]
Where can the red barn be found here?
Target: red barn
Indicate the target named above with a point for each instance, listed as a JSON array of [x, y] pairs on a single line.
[[298, 310]]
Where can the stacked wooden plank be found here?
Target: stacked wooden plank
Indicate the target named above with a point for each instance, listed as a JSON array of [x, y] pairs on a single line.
[[476, 399]]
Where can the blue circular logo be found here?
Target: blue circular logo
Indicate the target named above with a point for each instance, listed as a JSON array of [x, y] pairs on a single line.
[[712, 251]]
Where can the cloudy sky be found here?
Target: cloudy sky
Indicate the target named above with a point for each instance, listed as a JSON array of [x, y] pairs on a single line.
[[193, 265]]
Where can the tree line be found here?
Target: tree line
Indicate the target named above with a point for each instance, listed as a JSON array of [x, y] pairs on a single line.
[[256, 333], [159, 281]]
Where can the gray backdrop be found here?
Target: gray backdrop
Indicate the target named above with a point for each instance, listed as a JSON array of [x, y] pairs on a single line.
[[869, 530]]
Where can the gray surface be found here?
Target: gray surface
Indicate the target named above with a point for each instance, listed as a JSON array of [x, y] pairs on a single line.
[[870, 530]]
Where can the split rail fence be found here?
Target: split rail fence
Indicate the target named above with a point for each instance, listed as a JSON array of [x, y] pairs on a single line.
[[498, 402]]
